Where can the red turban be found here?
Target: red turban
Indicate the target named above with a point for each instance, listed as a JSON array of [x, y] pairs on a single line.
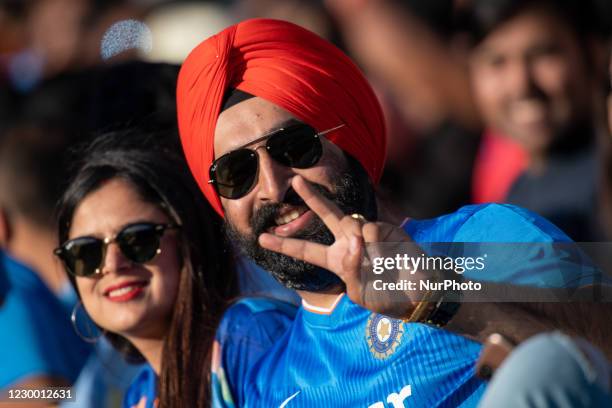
[[290, 67]]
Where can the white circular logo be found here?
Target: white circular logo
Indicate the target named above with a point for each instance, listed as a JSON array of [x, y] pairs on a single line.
[[383, 329]]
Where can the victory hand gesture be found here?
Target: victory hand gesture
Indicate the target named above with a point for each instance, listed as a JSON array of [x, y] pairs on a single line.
[[348, 254]]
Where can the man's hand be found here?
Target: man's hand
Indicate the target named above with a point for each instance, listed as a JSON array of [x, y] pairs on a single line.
[[346, 256]]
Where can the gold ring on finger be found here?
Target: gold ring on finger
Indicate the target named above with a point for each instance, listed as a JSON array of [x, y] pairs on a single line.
[[359, 217]]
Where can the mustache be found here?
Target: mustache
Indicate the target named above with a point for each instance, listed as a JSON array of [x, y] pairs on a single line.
[[265, 216]]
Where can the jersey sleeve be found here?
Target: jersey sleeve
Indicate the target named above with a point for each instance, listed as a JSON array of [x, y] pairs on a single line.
[[519, 246], [506, 223], [249, 328]]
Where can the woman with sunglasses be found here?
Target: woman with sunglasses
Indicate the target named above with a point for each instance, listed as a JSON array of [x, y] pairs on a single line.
[[148, 260]]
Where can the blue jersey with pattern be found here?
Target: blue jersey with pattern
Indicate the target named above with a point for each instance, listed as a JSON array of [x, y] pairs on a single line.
[[354, 358]]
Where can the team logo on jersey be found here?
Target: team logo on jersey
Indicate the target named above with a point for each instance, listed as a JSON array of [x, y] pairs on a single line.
[[384, 335]]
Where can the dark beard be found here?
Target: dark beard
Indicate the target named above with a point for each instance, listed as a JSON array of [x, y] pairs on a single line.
[[353, 194]]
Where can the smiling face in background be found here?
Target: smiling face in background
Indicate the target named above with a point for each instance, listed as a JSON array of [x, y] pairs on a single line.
[[272, 205], [127, 298], [530, 78]]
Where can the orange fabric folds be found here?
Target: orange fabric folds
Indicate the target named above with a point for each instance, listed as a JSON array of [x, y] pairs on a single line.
[[286, 65]]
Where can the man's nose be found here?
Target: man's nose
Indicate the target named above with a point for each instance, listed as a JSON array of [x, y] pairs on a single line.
[[274, 178], [114, 260]]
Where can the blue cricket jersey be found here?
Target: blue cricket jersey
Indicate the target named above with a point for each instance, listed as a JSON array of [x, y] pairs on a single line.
[[248, 330], [37, 338], [351, 357]]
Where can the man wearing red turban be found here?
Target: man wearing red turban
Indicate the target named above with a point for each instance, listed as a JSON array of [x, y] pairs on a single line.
[[286, 139], [290, 74]]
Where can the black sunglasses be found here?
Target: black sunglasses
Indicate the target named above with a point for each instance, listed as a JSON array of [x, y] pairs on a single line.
[[140, 242], [235, 173]]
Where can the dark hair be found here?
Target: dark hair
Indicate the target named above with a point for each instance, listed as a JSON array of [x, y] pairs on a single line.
[[31, 172], [154, 166], [133, 93], [437, 15], [480, 17], [105, 98]]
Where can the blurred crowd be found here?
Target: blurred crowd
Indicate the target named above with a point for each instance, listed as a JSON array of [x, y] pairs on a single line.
[[485, 101]]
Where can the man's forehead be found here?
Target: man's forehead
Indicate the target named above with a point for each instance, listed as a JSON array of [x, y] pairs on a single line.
[[248, 121]]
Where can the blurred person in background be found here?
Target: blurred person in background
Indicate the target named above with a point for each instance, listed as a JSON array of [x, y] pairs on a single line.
[[552, 370], [39, 346], [538, 76], [554, 55], [54, 36], [582, 374], [31, 175]]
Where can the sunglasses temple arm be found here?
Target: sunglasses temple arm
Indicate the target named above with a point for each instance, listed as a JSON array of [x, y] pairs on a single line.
[[330, 130]]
